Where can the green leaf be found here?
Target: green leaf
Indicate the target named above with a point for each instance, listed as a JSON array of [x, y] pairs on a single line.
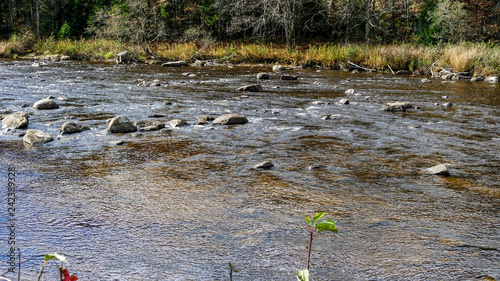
[[56, 256], [303, 275], [308, 220], [327, 225], [316, 218], [232, 268]]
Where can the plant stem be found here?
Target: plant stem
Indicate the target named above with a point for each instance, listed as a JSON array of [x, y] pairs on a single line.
[[41, 271], [311, 237]]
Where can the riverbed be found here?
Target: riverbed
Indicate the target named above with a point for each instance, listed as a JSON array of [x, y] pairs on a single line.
[[181, 205]]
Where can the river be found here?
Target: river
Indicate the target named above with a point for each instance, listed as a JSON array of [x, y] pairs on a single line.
[[181, 205]]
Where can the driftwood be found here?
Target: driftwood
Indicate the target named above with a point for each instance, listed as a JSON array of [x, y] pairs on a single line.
[[432, 67], [391, 69], [360, 67]]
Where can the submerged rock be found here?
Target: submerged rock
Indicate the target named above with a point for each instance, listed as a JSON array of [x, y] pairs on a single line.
[[34, 137], [121, 124], [440, 169], [71, 128], [230, 119], [288, 77], [45, 104], [17, 120], [251, 88]]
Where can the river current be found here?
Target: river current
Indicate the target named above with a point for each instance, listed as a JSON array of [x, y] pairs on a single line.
[[183, 204]]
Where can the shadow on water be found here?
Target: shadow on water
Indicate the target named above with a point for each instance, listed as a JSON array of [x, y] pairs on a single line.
[[181, 205]]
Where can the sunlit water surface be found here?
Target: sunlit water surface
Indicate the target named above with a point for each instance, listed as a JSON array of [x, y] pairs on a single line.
[[181, 205]]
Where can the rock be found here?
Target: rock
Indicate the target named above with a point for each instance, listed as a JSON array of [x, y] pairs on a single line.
[[65, 57], [491, 79], [124, 57], [278, 67], [368, 98], [425, 80], [444, 97], [137, 135], [477, 79], [157, 115], [263, 75], [204, 119], [62, 98], [166, 131], [71, 128], [24, 105], [326, 117], [396, 106], [34, 137], [447, 104], [230, 119], [167, 102], [350, 92], [45, 104], [198, 63], [316, 167], [266, 165], [318, 102], [288, 77], [440, 169], [118, 142], [344, 101], [251, 88], [148, 125], [179, 63], [121, 124], [177, 123], [403, 72], [17, 120]]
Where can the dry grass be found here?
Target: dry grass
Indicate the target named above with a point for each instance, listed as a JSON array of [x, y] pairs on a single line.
[[479, 58]]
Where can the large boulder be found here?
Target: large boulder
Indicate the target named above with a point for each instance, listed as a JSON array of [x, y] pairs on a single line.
[[45, 104], [17, 120], [263, 75], [230, 119], [396, 106], [204, 119], [149, 125], [72, 128], [174, 64], [124, 57], [34, 137], [251, 88], [120, 124]]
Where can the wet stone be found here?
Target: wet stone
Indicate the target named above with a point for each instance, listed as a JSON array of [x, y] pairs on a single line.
[[266, 165], [440, 169]]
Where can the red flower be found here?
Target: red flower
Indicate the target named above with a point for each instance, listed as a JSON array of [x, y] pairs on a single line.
[[67, 277]]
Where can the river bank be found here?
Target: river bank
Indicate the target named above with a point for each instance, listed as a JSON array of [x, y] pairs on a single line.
[[480, 59]]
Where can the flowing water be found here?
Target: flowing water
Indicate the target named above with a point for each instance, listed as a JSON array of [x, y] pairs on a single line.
[[181, 205]]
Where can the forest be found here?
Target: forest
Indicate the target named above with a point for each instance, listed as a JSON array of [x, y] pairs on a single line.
[[287, 23]]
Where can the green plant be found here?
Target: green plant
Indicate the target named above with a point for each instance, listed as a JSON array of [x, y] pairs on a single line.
[[315, 226], [63, 272], [231, 270], [64, 32]]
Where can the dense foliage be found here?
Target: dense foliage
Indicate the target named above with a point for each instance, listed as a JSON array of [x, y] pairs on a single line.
[[147, 21]]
